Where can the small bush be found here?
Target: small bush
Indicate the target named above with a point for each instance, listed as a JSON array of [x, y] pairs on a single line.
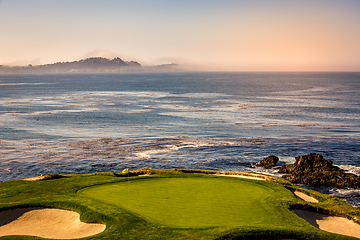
[[53, 176]]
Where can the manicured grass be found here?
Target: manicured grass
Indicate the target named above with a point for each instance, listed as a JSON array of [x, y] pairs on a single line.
[[196, 202], [170, 204]]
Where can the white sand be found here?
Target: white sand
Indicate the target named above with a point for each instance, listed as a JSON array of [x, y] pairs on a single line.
[[305, 197], [332, 224], [242, 176], [46, 223], [37, 178]]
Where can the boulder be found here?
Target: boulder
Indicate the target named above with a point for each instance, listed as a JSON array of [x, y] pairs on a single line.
[[314, 170], [268, 162]]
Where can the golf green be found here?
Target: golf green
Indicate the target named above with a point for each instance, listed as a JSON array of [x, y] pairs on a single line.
[[197, 202]]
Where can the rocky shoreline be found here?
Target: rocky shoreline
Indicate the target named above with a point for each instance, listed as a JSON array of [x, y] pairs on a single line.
[[313, 170]]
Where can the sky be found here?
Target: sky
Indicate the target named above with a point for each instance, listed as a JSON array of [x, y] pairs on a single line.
[[241, 35]]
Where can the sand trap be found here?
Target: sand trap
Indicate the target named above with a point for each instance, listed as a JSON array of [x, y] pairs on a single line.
[[304, 197], [332, 224], [46, 223], [37, 178], [242, 176]]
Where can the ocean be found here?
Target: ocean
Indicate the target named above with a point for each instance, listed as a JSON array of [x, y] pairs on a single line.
[[85, 123]]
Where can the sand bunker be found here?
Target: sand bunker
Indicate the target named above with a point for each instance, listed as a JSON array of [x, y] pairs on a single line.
[[305, 197], [253, 177], [46, 223], [37, 178], [332, 224]]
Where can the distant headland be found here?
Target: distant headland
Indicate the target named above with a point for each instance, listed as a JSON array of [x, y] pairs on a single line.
[[89, 65]]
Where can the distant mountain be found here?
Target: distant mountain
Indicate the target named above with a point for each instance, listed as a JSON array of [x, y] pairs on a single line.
[[89, 65]]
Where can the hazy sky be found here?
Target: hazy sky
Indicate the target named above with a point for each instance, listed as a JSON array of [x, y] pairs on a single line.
[[224, 34]]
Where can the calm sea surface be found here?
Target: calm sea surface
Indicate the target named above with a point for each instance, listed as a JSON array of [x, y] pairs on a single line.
[[84, 123]]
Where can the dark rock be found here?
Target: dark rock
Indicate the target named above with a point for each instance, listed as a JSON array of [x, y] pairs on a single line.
[[314, 170], [268, 162]]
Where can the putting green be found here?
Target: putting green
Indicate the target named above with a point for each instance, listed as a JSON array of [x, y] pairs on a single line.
[[195, 202]]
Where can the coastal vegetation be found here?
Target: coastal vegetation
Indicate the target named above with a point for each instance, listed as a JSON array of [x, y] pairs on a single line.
[[178, 204]]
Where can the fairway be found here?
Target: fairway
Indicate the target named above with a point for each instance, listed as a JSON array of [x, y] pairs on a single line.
[[195, 202]]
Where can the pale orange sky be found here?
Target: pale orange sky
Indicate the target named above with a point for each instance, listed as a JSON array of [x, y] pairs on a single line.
[[252, 35]]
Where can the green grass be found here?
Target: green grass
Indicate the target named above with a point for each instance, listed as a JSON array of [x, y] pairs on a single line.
[[196, 202], [170, 204]]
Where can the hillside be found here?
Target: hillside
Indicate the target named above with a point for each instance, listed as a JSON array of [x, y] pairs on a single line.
[[89, 65]]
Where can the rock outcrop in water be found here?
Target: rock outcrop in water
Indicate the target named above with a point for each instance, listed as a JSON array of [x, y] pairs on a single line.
[[314, 170], [268, 162]]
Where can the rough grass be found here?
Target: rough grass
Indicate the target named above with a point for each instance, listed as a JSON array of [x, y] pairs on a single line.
[[272, 203]]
